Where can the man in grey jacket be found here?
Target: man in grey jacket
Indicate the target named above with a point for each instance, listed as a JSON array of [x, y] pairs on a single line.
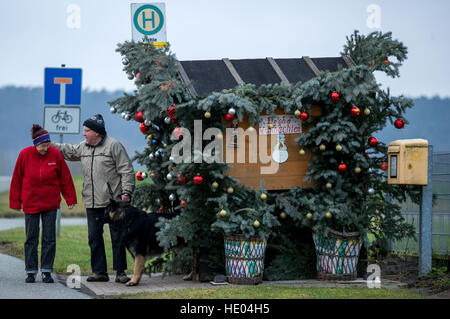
[[106, 166]]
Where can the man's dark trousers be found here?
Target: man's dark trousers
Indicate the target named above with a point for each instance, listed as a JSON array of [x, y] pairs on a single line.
[[96, 219]]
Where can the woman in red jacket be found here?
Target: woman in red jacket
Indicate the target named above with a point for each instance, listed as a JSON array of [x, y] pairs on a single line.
[[40, 176]]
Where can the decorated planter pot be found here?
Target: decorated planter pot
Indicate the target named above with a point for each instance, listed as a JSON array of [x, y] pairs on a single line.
[[244, 259], [337, 255]]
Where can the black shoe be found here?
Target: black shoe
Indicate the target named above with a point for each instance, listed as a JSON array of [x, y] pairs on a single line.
[[122, 277], [47, 278], [98, 277], [30, 279]]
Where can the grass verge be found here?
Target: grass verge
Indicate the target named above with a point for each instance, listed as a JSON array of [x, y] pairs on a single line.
[[71, 248], [277, 292]]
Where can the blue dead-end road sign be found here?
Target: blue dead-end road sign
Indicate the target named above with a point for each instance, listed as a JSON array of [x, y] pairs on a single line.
[[62, 86]]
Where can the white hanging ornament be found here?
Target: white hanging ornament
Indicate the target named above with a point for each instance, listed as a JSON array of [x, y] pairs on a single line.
[[151, 156], [157, 201], [167, 120], [123, 115], [231, 111], [113, 110], [172, 197], [280, 154], [144, 175], [169, 177], [147, 122], [371, 191], [127, 117]]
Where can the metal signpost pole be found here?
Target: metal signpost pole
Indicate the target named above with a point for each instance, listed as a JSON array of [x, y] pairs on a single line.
[[58, 212], [425, 220]]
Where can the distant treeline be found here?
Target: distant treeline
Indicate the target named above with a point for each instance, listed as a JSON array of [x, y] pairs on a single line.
[[20, 107]]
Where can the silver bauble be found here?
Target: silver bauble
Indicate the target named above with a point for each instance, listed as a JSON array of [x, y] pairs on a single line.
[[172, 197], [151, 156], [370, 191], [144, 175], [167, 120], [231, 111], [123, 114], [157, 201], [128, 117], [169, 177], [113, 110], [147, 122]]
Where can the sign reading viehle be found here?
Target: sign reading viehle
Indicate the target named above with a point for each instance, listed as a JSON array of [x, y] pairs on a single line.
[[276, 140]]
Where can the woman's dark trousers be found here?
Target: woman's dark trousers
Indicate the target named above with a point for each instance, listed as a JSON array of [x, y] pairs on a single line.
[[48, 245]]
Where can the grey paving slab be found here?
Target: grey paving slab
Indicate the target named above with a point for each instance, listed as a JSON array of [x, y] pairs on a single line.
[[13, 286]]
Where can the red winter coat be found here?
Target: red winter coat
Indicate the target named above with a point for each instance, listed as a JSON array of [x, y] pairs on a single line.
[[38, 181]]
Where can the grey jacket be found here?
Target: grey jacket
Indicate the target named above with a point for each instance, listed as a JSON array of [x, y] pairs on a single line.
[[107, 162]]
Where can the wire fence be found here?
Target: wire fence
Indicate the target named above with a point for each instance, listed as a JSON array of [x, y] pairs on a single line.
[[441, 211]]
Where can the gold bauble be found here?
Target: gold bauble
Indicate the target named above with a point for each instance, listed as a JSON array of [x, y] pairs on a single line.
[[230, 190], [256, 224], [357, 170], [338, 148], [283, 215], [297, 113], [223, 213], [322, 147], [328, 215], [302, 152], [215, 184], [309, 215], [329, 185], [207, 114], [263, 196], [366, 111]]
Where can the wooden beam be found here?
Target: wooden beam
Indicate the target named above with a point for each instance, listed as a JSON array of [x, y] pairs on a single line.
[[278, 70], [233, 71], [349, 61], [186, 80], [311, 65]]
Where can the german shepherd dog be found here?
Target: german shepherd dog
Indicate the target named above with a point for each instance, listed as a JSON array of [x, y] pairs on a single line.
[[138, 233]]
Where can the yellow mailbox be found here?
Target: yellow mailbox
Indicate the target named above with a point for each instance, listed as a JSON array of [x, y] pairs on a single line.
[[408, 162]]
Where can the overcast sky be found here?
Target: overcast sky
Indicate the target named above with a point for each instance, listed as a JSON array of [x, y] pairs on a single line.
[[46, 33]]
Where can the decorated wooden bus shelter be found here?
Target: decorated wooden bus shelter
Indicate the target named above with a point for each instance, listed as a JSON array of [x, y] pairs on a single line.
[[203, 77]]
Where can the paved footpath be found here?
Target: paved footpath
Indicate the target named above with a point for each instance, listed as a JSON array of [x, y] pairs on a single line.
[[12, 273], [12, 279]]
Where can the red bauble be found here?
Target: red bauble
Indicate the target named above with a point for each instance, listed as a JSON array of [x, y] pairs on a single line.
[[387, 61], [139, 176], [198, 179], [399, 123], [384, 166], [143, 128], [171, 110], [335, 96], [181, 179], [373, 141], [138, 75], [139, 116], [160, 210], [342, 167], [355, 111], [183, 203], [303, 116], [229, 117], [178, 132]]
